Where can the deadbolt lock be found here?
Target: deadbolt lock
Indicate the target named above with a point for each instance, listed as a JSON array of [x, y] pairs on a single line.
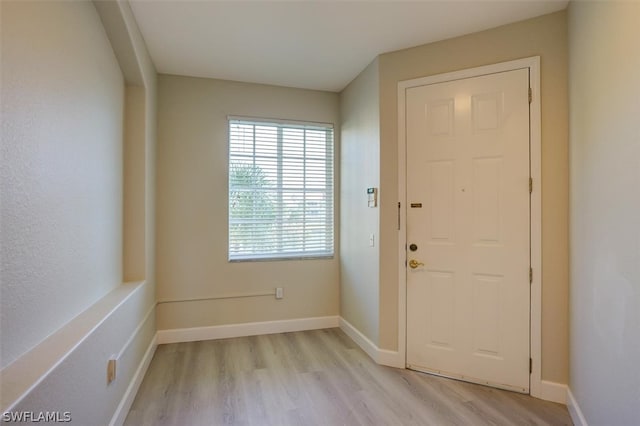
[[413, 264]]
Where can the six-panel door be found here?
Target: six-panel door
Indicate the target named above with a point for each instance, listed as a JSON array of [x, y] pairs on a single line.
[[468, 183]]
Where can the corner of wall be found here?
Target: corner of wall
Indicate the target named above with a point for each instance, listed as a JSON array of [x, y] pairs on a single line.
[[360, 235], [604, 207], [380, 356], [574, 410]]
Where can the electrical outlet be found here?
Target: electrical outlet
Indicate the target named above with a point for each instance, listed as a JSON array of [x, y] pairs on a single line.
[[111, 370], [279, 293]]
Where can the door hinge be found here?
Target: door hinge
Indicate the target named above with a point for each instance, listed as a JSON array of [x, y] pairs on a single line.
[[530, 185], [530, 365], [530, 95], [530, 275]]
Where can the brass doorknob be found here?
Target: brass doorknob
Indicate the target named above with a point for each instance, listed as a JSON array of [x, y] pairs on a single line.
[[414, 264]]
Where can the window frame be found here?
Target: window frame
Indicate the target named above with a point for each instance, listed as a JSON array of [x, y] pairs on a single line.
[[281, 123]]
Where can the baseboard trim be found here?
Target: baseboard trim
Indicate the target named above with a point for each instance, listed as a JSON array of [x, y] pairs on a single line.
[[574, 410], [391, 358], [361, 340], [380, 356], [554, 392], [130, 394], [179, 335]]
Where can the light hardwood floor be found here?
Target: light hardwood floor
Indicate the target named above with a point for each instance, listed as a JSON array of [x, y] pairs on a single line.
[[318, 377]]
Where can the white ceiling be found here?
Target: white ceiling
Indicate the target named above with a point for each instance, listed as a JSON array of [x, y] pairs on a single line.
[[311, 44]]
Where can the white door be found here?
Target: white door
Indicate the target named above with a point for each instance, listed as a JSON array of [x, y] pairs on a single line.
[[468, 217]]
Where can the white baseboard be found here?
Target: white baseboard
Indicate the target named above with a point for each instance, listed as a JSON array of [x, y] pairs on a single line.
[[574, 410], [554, 392], [380, 356], [130, 394], [179, 335], [549, 391], [363, 341], [390, 358]]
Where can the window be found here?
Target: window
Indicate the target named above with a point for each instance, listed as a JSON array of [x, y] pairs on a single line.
[[280, 190]]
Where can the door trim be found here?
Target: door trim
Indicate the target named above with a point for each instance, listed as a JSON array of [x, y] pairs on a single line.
[[535, 321]]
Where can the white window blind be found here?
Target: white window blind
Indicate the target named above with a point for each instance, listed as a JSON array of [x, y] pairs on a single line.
[[280, 190]]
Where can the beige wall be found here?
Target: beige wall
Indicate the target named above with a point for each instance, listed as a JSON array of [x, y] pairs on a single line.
[[139, 140], [360, 169], [605, 210], [545, 36], [192, 208], [65, 102], [62, 124], [134, 230]]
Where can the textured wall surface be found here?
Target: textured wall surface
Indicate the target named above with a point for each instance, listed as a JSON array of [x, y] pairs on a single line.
[[360, 169], [61, 190], [604, 82], [63, 183]]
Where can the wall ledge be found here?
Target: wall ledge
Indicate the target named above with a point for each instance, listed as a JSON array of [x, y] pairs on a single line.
[[25, 373], [179, 335]]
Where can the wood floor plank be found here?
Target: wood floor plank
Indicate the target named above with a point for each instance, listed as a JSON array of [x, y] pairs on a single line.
[[318, 377]]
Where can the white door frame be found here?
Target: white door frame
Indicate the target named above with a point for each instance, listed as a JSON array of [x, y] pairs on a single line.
[[535, 322]]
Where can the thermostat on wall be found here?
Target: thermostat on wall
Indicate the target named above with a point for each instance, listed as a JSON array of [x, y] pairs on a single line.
[[372, 197]]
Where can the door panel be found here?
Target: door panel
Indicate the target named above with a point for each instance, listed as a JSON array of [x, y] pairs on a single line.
[[441, 190], [468, 195], [486, 314], [441, 308], [487, 178]]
